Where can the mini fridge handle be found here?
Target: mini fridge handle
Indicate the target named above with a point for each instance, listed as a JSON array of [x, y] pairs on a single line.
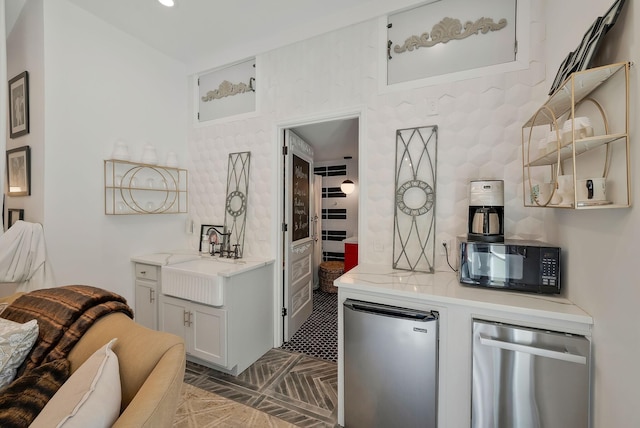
[[510, 346], [391, 311]]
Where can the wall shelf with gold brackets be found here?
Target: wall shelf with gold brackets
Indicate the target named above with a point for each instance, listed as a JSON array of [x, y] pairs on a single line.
[[563, 161], [132, 188]]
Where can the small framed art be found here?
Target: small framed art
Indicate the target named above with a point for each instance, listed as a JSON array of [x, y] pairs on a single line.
[[14, 216], [19, 105], [19, 171]]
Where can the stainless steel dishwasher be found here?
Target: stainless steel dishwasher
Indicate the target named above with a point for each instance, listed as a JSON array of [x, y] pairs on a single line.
[[529, 378], [390, 366]]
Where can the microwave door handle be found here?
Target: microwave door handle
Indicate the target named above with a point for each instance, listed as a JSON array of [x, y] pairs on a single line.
[[510, 346]]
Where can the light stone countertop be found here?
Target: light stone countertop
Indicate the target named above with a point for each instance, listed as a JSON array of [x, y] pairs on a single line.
[[213, 265], [444, 288], [196, 263], [167, 257]]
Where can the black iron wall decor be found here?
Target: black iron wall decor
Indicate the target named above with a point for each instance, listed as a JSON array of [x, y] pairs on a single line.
[[415, 199], [580, 59], [235, 214]]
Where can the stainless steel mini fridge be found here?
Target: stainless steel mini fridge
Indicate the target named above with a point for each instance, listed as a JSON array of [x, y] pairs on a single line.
[[390, 366], [529, 378]]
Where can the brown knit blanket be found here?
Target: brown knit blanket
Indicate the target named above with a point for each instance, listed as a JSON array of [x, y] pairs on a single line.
[[64, 314]]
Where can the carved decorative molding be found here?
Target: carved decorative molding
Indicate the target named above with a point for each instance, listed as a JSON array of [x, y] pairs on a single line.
[[450, 29], [300, 249], [227, 89]]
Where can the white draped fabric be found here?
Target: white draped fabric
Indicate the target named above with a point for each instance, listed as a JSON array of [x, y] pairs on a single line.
[[23, 257]]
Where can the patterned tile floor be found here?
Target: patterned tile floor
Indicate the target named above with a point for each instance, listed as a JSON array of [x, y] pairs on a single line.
[[318, 336], [296, 383]]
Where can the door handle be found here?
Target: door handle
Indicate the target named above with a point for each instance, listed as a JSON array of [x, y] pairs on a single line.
[[548, 353], [315, 228]]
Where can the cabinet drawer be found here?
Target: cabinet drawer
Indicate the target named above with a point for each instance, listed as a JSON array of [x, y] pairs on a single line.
[[146, 272]]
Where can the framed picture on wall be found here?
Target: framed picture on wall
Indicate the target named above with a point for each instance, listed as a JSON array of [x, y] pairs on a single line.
[[19, 105], [14, 216], [19, 171]]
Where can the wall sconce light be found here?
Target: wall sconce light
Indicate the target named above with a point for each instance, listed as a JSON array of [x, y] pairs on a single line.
[[347, 187]]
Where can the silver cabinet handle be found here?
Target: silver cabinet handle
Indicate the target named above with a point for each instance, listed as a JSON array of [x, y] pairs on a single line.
[[152, 295], [143, 272], [509, 346], [185, 318], [190, 318]]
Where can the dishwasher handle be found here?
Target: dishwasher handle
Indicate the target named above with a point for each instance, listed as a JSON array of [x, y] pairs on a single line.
[[390, 311], [542, 352]]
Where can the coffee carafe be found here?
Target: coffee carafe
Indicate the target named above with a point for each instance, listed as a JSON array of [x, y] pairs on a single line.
[[486, 211]]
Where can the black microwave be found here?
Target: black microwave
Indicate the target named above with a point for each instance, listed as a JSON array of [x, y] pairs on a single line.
[[514, 265]]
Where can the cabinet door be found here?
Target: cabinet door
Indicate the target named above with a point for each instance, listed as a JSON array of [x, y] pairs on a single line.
[[174, 317], [146, 312], [208, 333]]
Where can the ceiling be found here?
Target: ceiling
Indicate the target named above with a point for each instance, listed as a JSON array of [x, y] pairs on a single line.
[[332, 140], [206, 34]]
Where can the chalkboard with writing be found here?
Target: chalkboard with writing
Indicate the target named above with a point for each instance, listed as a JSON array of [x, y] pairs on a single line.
[[301, 197]]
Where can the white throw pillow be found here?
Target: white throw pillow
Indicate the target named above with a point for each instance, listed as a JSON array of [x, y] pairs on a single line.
[[16, 340], [89, 398]]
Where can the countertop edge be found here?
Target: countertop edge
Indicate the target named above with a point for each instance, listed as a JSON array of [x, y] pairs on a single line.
[[352, 283]]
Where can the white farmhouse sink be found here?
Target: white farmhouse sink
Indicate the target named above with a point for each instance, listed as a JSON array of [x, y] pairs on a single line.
[[203, 280]]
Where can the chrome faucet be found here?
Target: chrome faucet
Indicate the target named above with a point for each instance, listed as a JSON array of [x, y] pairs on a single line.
[[212, 233], [224, 246]]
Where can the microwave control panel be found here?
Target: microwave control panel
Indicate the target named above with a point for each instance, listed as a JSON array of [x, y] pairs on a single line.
[[549, 267]]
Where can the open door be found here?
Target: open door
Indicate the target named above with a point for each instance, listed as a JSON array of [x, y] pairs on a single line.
[[298, 233]]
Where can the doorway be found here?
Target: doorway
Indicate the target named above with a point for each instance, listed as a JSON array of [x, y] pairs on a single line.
[[335, 144]]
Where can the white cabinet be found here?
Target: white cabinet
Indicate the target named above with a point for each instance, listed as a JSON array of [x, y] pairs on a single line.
[[231, 331], [136, 188], [204, 328], [582, 134], [147, 292]]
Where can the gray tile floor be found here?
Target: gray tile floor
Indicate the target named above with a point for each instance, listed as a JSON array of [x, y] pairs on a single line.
[[296, 383], [294, 387]]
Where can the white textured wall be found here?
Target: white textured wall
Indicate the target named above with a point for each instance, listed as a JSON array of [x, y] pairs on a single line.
[[101, 85], [479, 123]]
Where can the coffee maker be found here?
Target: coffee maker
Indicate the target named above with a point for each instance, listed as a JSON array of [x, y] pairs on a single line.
[[486, 211]]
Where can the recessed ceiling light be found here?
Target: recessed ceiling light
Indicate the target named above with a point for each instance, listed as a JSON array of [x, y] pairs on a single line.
[[168, 3]]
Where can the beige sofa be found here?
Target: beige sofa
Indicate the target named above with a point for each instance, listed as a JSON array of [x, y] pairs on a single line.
[[152, 365]]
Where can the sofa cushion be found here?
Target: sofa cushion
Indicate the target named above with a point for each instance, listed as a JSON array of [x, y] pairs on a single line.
[[91, 396], [16, 340], [24, 398]]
